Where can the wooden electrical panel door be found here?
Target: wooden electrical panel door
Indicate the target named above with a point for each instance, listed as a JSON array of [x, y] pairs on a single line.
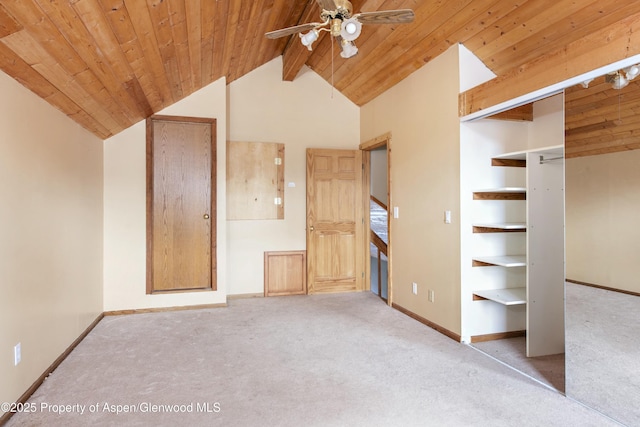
[[181, 207], [285, 273], [335, 221], [255, 180]]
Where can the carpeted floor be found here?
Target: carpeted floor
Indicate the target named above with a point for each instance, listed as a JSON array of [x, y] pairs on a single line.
[[549, 370], [603, 351], [321, 360]]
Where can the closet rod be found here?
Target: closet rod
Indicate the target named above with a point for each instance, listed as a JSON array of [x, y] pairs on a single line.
[[543, 160]]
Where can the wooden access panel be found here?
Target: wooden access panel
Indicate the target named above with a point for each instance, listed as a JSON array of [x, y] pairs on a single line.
[[255, 180], [285, 273]]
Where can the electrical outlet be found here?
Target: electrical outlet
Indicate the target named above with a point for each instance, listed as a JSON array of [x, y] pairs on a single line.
[[414, 288], [17, 354], [432, 295]]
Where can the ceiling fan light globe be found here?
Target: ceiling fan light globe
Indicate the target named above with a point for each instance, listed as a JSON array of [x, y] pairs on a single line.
[[308, 38], [632, 72], [348, 49], [351, 29]]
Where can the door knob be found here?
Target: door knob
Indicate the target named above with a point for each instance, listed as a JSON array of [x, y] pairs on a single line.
[[205, 216], [311, 228]]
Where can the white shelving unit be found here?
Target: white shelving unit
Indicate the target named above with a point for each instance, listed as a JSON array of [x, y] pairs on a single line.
[[509, 296], [503, 226], [543, 293], [508, 261], [503, 190]]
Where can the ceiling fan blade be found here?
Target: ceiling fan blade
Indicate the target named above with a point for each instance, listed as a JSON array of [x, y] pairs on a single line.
[[400, 16], [327, 4], [291, 30]]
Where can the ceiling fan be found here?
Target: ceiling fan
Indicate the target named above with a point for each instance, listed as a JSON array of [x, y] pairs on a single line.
[[337, 19]]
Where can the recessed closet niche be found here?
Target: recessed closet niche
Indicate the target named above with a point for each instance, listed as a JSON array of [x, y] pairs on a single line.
[[512, 227]]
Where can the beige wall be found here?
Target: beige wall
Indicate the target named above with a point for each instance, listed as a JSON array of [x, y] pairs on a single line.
[[258, 107], [305, 113], [125, 210], [603, 219], [421, 112], [50, 234]]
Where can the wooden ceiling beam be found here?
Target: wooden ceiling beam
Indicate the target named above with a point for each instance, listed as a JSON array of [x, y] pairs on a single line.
[[295, 55], [609, 44]]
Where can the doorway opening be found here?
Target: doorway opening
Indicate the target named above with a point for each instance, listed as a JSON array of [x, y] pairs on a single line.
[[377, 163]]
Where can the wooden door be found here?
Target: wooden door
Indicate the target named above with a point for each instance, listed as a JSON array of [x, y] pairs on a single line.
[[181, 210], [335, 224]]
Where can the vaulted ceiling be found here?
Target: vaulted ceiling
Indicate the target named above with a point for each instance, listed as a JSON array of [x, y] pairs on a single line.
[[110, 63], [600, 119]]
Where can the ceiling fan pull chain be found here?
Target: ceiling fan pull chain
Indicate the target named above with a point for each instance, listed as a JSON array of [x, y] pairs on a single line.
[[332, 87]]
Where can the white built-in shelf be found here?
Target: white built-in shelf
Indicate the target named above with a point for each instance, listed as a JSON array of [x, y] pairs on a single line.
[[503, 190], [508, 296], [504, 227], [500, 261], [504, 193]]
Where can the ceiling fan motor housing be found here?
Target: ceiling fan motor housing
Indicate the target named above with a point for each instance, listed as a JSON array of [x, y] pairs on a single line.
[[343, 11]]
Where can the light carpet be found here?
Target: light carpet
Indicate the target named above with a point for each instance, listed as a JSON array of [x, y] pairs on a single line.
[[603, 351], [321, 360]]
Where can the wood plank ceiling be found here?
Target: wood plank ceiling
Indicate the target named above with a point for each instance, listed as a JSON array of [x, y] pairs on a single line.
[[111, 63], [600, 119]]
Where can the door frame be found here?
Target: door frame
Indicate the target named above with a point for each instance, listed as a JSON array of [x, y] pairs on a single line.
[[213, 214], [367, 147]]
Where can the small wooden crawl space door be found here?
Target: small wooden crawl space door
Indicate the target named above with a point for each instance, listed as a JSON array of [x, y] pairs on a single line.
[[181, 204]]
